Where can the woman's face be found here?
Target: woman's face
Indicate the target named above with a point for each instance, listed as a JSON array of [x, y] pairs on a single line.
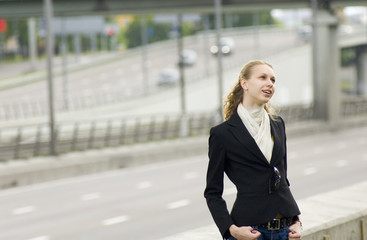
[[259, 88]]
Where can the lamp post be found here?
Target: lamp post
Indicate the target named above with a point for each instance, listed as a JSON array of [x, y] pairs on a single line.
[[218, 24], [48, 12]]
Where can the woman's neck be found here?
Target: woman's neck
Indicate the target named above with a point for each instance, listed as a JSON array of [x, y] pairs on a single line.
[[250, 106]]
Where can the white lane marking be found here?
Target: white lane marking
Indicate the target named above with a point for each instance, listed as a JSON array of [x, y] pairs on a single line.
[[292, 155], [309, 171], [191, 175], [144, 185], [40, 238], [318, 150], [90, 196], [119, 72], [341, 163], [178, 204], [23, 210], [341, 145], [115, 220], [103, 76], [135, 67], [229, 191], [362, 140], [365, 157]]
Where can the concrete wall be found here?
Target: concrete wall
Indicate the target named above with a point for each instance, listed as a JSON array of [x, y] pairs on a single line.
[[334, 215]]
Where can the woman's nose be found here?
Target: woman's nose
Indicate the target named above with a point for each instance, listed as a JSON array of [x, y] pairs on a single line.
[[270, 82]]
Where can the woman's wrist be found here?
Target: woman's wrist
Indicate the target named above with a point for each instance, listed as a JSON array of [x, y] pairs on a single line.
[[232, 229]]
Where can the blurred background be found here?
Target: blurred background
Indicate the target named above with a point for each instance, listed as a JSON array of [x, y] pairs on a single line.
[[95, 86]]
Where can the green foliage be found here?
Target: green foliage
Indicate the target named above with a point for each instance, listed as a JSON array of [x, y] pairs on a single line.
[[18, 28], [131, 37], [348, 56], [245, 19]]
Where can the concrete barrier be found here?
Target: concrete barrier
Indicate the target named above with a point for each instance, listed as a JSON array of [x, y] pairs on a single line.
[[336, 215], [29, 171]]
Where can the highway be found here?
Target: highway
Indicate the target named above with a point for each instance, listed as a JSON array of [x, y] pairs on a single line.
[[122, 79], [160, 199]]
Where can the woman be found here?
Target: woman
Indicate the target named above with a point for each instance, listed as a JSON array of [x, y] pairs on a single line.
[[250, 147]]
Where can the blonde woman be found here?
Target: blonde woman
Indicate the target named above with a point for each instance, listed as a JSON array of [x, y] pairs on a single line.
[[250, 148]]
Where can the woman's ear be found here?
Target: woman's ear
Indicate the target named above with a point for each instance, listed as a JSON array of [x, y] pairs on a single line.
[[243, 84]]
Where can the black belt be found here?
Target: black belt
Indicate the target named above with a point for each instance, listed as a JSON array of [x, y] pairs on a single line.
[[277, 223]]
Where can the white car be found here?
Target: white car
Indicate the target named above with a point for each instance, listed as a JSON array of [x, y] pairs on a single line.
[[188, 57], [168, 77], [226, 46]]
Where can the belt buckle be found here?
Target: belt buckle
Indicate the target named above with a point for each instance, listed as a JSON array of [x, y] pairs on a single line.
[[274, 224]]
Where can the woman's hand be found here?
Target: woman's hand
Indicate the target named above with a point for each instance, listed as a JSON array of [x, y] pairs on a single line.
[[295, 231], [244, 233]]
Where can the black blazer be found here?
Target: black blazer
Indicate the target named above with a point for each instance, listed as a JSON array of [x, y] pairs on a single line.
[[232, 150]]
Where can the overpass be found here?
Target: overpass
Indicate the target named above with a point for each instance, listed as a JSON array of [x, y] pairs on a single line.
[[324, 22], [34, 8]]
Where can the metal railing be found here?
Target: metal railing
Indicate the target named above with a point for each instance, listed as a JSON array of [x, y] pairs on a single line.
[[33, 140]]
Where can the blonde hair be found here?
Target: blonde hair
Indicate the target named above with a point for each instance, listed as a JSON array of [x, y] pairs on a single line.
[[234, 98]]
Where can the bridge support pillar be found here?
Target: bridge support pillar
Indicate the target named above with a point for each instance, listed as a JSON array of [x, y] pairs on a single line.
[[326, 64], [361, 66]]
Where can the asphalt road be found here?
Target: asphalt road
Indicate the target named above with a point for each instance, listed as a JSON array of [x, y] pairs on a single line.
[[124, 78], [161, 199]]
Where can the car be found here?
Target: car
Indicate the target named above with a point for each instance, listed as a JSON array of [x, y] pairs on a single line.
[[188, 57], [305, 33], [226, 46], [168, 77]]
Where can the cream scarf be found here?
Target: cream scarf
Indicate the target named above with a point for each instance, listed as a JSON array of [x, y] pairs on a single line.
[[257, 123]]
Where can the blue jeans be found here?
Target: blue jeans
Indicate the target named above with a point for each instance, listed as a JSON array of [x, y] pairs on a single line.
[[281, 234]]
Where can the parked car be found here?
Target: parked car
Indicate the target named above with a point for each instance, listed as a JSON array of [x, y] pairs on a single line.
[[226, 46], [188, 57], [168, 77]]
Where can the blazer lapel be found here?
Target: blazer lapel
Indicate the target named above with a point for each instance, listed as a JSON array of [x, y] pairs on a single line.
[[238, 129], [277, 140]]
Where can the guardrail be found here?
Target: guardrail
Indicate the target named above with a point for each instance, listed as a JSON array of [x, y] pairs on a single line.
[[33, 140]]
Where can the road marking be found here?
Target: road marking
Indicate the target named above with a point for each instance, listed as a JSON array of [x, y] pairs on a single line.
[[191, 175], [365, 157], [229, 191], [90, 196], [341, 163], [362, 140], [292, 155], [341, 145], [103, 76], [178, 204], [23, 210], [115, 220], [144, 185], [136, 67], [119, 72], [318, 150], [309, 171], [40, 238]]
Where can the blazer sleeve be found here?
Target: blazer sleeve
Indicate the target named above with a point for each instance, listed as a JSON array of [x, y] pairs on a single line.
[[285, 154], [214, 184]]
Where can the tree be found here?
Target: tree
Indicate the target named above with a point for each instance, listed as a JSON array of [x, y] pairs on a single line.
[[156, 32]]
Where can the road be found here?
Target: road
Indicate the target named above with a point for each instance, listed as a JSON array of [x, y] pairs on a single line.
[[124, 78], [161, 199]]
